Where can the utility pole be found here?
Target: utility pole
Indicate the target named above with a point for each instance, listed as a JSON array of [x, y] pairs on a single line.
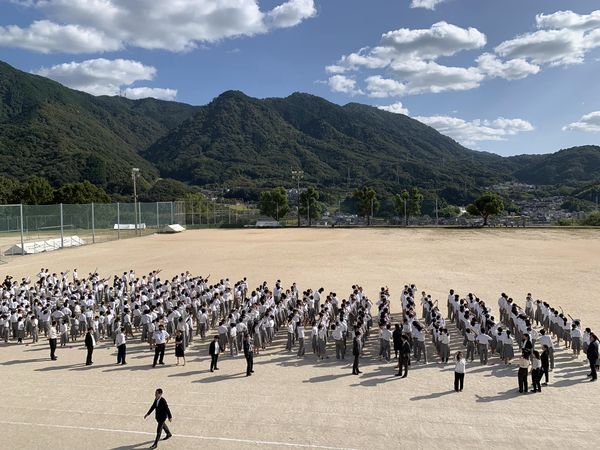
[[297, 175], [371, 210], [437, 218]]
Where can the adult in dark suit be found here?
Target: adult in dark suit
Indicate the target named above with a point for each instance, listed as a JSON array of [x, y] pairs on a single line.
[[89, 345], [356, 345], [214, 350], [397, 338], [592, 355], [161, 414], [404, 360], [544, 357], [249, 354]]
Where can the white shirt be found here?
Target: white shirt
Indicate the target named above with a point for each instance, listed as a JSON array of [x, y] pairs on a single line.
[[160, 336], [461, 366]]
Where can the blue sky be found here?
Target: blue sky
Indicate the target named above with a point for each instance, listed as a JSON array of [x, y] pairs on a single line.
[[509, 77]]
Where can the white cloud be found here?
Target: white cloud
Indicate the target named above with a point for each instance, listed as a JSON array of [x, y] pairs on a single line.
[[106, 25], [428, 76], [106, 77], [513, 69], [396, 108], [472, 132], [291, 13], [380, 87], [589, 123], [409, 55], [555, 47], [442, 39], [340, 83], [563, 38], [426, 4], [569, 19], [46, 37], [146, 92]]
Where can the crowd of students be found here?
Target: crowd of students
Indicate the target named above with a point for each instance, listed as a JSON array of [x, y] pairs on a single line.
[[65, 308]]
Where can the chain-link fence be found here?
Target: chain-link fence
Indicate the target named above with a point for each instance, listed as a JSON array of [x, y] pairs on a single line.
[[209, 214], [26, 229]]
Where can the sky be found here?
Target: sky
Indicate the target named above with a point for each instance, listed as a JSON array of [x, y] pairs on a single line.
[[508, 77]]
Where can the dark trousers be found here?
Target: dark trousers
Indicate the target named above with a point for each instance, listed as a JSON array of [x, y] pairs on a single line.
[[213, 362], [403, 364], [459, 380], [545, 370], [536, 377], [523, 380], [52, 348], [249, 363], [593, 369], [121, 352], [159, 354], [88, 359], [355, 370], [161, 426]]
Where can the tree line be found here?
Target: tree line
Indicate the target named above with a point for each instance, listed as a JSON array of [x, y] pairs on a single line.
[[274, 203]]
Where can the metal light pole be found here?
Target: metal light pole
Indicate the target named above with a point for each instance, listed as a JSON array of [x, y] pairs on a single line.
[[135, 172], [297, 175]]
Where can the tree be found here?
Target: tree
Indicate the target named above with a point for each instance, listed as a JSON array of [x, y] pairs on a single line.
[[274, 203], [367, 202], [9, 190], [489, 204], [80, 193], [196, 205], [415, 202], [37, 191], [310, 205], [400, 204], [165, 190]]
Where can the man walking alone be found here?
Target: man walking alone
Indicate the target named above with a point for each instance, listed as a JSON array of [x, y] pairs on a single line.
[[162, 413]]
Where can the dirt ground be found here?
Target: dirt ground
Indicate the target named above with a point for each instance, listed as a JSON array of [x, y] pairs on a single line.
[[304, 403]]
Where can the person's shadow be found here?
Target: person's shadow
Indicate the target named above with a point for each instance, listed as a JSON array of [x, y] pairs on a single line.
[[506, 395], [432, 395], [134, 446]]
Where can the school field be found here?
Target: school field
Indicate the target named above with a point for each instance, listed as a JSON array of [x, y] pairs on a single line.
[[291, 403]]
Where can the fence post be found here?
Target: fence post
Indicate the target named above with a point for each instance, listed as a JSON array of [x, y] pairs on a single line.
[[172, 217], [157, 218], [62, 231], [118, 222], [93, 226], [22, 240]]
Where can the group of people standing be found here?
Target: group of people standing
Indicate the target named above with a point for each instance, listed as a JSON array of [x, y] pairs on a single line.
[[64, 307]]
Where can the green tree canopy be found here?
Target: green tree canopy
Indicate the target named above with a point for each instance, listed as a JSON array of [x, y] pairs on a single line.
[[415, 202], [9, 190], [80, 193], [367, 202], [165, 190], [37, 191], [489, 204], [310, 205], [274, 203]]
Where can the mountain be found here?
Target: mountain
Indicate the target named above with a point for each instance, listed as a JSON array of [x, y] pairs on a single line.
[[67, 136], [576, 165], [237, 141]]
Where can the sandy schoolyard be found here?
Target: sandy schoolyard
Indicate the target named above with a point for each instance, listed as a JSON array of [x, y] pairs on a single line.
[[292, 403]]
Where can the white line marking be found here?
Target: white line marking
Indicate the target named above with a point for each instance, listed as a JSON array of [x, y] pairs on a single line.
[[188, 436]]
